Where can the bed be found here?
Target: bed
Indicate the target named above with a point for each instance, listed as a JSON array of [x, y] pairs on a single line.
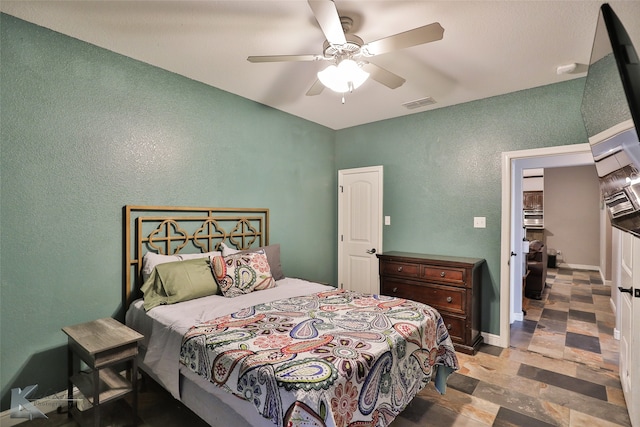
[[263, 349]]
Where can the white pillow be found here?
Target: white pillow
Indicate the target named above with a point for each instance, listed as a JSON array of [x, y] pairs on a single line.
[[184, 257], [151, 259], [226, 250]]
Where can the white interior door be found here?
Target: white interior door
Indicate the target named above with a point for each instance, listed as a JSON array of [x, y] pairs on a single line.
[[359, 228], [517, 253], [630, 325], [626, 281]]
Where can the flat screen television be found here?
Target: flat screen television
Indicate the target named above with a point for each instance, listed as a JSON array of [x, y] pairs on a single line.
[[611, 113]]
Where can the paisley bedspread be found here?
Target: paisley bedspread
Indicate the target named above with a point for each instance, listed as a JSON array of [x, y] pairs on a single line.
[[336, 358]]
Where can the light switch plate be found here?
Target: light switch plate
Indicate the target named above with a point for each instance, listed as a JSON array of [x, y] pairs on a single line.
[[479, 222], [387, 220]]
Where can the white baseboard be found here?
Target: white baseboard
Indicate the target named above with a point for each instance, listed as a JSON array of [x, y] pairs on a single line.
[[616, 331], [493, 339], [579, 266]]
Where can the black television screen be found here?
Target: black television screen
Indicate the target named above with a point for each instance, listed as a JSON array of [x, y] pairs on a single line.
[[611, 113], [627, 60]]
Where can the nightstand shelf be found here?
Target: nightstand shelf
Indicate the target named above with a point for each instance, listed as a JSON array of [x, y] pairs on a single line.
[[111, 385], [102, 344]]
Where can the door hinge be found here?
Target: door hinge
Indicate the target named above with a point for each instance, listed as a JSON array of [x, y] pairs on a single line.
[[342, 238]]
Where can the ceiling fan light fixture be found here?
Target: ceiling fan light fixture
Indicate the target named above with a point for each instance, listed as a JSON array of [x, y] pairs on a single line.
[[344, 77]]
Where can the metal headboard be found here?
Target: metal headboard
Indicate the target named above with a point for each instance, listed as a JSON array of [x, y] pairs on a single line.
[[169, 230]]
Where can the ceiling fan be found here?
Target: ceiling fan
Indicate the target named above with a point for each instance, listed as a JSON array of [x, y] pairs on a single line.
[[349, 54]]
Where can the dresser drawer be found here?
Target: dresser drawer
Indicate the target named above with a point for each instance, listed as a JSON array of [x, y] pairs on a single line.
[[403, 269], [452, 285], [455, 326], [442, 298], [444, 274]]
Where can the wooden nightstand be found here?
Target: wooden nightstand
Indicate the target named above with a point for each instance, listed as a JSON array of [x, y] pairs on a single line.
[[101, 344]]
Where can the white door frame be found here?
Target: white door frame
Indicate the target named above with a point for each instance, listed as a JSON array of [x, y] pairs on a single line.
[[341, 173], [513, 163]]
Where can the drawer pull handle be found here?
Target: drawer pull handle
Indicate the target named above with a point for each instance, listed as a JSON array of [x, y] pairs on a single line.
[[442, 274], [449, 299], [449, 326], [400, 268], [394, 290]]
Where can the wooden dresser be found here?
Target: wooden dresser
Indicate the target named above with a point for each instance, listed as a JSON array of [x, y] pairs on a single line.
[[449, 284]]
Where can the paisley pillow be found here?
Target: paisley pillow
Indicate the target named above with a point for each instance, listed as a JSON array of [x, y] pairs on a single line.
[[272, 252], [242, 273]]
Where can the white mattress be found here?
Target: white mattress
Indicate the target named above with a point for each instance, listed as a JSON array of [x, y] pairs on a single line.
[[163, 328]]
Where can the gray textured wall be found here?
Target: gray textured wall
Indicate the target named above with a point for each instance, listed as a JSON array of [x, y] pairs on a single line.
[[572, 213]]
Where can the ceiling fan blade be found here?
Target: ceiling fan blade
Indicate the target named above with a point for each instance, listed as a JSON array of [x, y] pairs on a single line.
[[387, 78], [329, 20], [316, 88], [420, 35], [285, 58]]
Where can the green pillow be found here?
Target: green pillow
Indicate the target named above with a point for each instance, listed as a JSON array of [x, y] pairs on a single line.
[[178, 281]]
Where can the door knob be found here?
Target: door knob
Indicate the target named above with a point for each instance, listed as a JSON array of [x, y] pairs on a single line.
[[371, 251], [629, 290]]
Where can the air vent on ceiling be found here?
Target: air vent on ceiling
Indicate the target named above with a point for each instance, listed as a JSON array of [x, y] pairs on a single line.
[[422, 102]]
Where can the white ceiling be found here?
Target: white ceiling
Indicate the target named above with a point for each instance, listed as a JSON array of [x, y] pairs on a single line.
[[489, 47]]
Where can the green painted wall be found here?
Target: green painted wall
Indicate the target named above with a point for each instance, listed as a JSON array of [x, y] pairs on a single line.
[[85, 132], [442, 168]]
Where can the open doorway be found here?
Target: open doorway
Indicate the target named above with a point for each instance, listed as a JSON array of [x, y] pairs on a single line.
[[513, 253]]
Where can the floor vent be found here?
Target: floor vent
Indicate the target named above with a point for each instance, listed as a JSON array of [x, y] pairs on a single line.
[[422, 102]]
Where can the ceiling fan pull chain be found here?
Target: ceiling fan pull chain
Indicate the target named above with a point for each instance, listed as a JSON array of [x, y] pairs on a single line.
[[343, 98]]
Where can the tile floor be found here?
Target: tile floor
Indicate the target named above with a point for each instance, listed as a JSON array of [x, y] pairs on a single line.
[[561, 370]]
